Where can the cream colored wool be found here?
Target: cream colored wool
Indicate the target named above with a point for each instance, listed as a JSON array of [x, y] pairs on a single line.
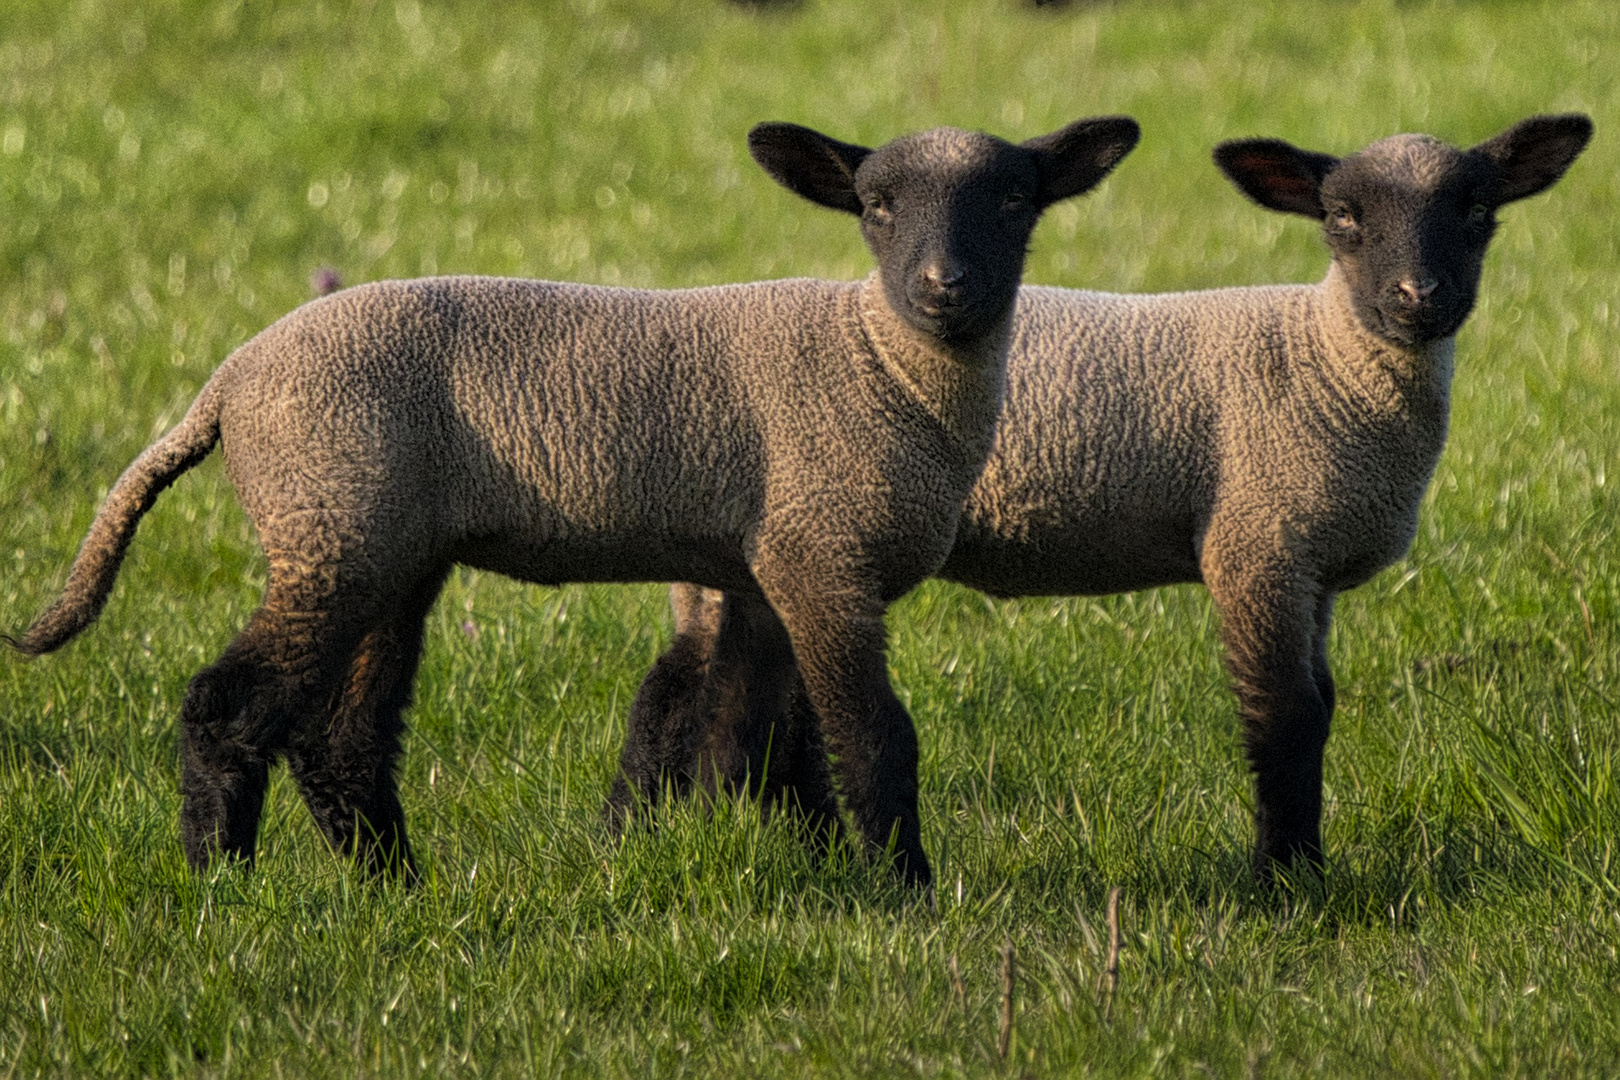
[[1205, 436]]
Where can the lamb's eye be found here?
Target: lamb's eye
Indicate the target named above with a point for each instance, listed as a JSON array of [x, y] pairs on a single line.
[[1015, 200], [1341, 220], [1478, 213], [877, 208]]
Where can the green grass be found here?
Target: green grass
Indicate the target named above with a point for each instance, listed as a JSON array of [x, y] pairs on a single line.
[[172, 172]]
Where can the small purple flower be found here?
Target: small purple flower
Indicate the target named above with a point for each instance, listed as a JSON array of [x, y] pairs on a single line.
[[325, 281]]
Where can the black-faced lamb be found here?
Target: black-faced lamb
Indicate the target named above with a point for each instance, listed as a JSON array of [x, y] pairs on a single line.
[[809, 440], [1273, 443]]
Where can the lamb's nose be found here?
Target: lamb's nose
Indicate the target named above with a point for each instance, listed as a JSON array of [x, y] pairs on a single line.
[[944, 274], [1415, 292]]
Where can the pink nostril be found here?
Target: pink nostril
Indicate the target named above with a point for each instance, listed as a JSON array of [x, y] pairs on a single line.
[[1418, 291]]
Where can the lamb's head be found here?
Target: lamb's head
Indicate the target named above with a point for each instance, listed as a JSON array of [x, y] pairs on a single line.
[[1409, 218], [947, 213]]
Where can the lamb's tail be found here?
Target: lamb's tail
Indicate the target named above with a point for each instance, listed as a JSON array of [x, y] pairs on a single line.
[[96, 567]]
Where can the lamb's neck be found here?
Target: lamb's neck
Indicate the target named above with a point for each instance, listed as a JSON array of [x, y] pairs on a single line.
[[960, 385], [1381, 374]]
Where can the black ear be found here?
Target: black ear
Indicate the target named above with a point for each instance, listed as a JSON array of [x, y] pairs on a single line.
[[1534, 153], [809, 163], [1277, 175], [1076, 158]]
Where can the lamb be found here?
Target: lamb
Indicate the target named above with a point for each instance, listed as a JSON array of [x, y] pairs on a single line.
[[1273, 443], [809, 440]]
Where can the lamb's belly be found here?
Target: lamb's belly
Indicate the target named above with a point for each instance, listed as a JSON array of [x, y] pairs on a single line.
[[604, 524], [1094, 557], [714, 561]]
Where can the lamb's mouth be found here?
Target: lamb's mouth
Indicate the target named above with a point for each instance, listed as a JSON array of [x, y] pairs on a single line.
[[943, 313], [946, 320], [1421, 327]]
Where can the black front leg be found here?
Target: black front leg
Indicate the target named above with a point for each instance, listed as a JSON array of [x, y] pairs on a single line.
[[1274, 626]]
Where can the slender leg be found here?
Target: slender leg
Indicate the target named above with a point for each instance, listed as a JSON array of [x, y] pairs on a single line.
[[839, 640], [764, 735], [667, 717], [724, 710], [344, 760], [230, 731], [745, 696], [1273, 623], [800, 778], [761, 734]]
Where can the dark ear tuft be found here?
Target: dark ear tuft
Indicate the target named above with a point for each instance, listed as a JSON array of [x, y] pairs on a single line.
[[1074, 159], [809, 163], [1277, 175], [1534, 153]]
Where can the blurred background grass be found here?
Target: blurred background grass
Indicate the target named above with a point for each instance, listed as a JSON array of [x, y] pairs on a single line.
[[172, 173]]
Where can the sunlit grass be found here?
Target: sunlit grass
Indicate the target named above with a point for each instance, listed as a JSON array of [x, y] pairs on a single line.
[[171, 175]]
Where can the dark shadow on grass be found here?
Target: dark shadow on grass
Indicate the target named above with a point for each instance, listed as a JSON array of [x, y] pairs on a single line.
[[1395, 880]]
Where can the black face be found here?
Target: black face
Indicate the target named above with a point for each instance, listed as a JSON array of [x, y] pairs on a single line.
[[949, 221], [1409, 218], [1410, 233], [947, 213]]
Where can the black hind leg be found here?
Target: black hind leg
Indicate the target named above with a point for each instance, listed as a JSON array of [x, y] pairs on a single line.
[[761, 734], [799, 779], [667, 716], [344, 763], [230, 732], [241, 712], [724, 710], [744, 699]]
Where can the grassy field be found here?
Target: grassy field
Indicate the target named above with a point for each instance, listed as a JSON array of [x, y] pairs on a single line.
[[171, 173]]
